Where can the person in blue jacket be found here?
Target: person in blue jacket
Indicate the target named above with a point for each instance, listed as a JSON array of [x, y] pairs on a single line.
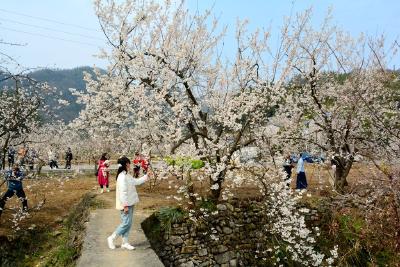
[[301, 182], [14, 179]]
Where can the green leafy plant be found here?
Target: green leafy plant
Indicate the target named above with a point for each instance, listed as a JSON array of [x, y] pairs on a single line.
[[170, 215], [197, 164], [194, 164], [170, 161]]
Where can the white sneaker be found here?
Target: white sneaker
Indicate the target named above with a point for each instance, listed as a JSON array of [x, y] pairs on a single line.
[[127, 246], [108, 190], [110, 242], [101, 191]]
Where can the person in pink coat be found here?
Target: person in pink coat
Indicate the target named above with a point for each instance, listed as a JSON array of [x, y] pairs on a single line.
[[103, 173]]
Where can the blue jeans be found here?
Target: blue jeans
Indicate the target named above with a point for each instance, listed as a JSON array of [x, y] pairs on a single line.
[[126, 223]]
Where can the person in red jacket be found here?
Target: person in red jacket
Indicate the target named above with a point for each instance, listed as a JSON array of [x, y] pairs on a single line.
[[139, 162]]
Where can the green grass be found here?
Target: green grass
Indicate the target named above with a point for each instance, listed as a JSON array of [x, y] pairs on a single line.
[[69, 243], [350, 227], [97, 204], [63, 254], [208, 205]]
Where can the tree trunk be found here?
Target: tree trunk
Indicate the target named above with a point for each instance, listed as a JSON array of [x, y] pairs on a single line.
[[340, 180], [215, 193], [40, 165], [395, 207], [190, 188], [343, 166], [3, 152], [3, 159]]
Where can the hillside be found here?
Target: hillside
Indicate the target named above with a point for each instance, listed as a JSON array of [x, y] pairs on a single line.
[[63, 79]]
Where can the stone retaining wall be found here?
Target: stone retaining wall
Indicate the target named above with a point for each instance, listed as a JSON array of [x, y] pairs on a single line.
[[232, 236]]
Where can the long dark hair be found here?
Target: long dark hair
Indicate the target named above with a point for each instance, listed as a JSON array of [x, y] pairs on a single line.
[[123, 161], [103, 156]]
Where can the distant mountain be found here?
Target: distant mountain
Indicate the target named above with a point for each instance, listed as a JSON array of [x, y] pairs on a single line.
[[63, 79]]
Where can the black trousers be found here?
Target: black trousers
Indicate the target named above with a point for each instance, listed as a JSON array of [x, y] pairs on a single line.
[[301, 182], [68, 164], [10, 161], [53, 164], [10, 193]]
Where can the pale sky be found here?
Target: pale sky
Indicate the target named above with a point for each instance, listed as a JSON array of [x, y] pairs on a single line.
[[66, 33]]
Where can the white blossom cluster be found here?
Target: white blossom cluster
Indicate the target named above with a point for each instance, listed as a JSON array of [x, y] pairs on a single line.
[[288, 221]]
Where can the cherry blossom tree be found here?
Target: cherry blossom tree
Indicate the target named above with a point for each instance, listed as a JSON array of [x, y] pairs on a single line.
[[328, 103], [24, 102], [167, 78], [23, 105], [383, 139], [167, 81]]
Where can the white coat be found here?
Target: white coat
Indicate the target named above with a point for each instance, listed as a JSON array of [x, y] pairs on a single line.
[[126, 194]]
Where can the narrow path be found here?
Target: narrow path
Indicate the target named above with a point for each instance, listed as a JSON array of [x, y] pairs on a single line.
[[102, 222]]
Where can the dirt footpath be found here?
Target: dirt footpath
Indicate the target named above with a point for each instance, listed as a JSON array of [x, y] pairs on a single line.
[[102, 223]]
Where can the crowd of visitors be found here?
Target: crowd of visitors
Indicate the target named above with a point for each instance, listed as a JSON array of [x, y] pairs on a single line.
[[27, 157]]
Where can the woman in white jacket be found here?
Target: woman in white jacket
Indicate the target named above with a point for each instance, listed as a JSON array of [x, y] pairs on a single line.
[[126, 198]]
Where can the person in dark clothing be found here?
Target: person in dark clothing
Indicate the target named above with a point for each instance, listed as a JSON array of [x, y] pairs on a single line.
[[68, 158], [30, 158], [287, 167], [52, 159], [11, 156], [14, 179]]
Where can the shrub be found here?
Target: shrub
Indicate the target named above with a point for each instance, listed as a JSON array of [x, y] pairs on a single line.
[[193, 164], [170, 215]]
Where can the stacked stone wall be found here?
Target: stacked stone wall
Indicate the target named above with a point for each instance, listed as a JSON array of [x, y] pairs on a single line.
[[233, 235]]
